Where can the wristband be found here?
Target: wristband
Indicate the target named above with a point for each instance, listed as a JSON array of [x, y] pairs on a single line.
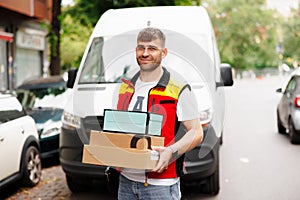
[[174, 151]]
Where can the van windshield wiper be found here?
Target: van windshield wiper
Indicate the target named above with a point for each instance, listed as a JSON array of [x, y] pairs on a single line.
[[98, 82]]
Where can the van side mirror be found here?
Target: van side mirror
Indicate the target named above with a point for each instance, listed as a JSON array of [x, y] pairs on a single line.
[[226, 75], [71, 77], [279, 90]]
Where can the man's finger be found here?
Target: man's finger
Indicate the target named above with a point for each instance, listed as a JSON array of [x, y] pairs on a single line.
[[158, 166], [157, 148]]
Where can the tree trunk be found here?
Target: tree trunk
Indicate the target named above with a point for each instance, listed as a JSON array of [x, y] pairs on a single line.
[[55, 39]]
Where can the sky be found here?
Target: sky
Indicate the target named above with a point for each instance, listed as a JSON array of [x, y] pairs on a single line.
[[283, 6], [66, 2]]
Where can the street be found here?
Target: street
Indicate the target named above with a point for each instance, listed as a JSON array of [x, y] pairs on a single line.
[[256, 162]]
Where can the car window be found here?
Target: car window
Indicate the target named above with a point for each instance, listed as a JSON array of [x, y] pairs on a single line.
[[297, 84], [10, 109], [42, 97], [9, 115], [291, 85]]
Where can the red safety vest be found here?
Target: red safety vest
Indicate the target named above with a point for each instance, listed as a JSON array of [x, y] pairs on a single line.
[[162, 99]]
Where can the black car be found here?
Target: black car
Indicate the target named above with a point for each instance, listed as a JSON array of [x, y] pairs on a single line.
[[288, 108], [44, 100]]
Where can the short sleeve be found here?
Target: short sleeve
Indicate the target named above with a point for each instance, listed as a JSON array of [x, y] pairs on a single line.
[[187, 107]]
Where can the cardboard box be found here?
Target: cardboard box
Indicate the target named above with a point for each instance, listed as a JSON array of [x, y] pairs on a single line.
[[122, 150]]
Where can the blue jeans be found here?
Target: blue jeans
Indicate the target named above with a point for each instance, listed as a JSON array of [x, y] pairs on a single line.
[[130, 190]]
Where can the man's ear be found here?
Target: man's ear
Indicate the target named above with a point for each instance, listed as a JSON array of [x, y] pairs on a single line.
[[164, 52]]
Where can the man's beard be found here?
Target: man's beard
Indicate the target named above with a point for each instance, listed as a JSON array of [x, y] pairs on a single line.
[[149, 66]]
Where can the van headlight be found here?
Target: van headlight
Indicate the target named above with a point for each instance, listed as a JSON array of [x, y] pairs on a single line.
[[205, 117], [70, 121]]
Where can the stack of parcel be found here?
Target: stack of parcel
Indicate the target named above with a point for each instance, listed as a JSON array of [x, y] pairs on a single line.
[[126, 140]]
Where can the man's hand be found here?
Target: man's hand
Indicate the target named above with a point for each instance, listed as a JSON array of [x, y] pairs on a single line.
[[165, 155], [190, 140]]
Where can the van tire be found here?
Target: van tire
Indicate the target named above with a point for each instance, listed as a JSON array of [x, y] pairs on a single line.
[[76, 186], [212, 186]]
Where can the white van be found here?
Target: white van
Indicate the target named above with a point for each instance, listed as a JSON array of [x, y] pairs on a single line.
[[110, 55]]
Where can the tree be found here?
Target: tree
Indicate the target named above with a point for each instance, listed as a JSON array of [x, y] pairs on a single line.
[[246, 32], [87, 12], [291, 35], [74, 37], [91, 10], [54, 38]]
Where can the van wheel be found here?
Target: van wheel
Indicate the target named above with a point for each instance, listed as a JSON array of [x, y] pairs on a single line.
[[76, 185], [32, 168], [212, 186]]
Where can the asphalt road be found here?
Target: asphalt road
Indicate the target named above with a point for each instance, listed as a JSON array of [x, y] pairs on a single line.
[[256, 162]]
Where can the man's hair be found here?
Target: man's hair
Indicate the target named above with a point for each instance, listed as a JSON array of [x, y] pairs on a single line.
[[148, 34]]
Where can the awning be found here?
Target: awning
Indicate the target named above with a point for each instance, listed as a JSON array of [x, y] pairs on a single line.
[[6, 36]]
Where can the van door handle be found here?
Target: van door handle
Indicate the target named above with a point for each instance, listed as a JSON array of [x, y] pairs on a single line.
[[1, 139]]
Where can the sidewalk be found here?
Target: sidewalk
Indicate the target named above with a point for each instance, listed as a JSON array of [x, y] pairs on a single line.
[[53, 186]]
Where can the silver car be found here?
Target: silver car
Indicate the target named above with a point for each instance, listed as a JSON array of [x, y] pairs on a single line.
[[288, 109]]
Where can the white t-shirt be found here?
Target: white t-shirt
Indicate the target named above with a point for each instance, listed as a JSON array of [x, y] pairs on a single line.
[[187, 109]]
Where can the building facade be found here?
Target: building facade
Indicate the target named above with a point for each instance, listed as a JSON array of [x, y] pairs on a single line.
[[23, 40]]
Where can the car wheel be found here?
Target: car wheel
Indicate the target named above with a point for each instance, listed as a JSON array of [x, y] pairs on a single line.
[[32, 170], [280, 127], [294, 134], [77, 185], [213, 183]]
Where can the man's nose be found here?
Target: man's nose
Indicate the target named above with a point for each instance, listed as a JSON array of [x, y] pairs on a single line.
[[146, 52]]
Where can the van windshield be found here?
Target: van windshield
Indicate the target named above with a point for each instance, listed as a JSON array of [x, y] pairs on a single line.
[[93, 65], [110, 60]]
